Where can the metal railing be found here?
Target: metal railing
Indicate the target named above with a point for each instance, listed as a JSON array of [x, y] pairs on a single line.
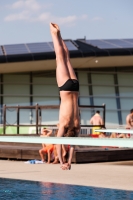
[[38, 109]]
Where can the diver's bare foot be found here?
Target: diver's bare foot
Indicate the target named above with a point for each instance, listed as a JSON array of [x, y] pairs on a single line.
[[54, 28]]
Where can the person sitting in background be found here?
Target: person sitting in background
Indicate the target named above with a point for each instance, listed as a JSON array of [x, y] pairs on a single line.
[[112, 135], [98, 121], [129, 121], [47, 148]]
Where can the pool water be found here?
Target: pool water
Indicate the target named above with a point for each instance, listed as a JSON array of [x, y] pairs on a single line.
[[11, 189]]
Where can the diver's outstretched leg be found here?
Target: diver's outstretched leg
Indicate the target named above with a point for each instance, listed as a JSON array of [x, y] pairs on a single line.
[[62, 72]]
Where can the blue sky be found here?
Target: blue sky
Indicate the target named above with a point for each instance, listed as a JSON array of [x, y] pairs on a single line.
[[26, 21]]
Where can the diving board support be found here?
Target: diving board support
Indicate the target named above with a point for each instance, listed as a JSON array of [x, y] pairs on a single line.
[[85, 141], [126, 131]]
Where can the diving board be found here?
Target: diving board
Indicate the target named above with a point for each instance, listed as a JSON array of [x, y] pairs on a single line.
[[126, 131], [85, 141]]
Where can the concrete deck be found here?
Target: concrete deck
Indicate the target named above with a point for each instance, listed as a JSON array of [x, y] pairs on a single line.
[[116, 175]]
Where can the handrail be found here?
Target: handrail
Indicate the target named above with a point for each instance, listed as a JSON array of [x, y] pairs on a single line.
[[37, 109]]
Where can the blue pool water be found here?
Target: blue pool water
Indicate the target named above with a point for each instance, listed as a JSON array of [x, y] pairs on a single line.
[[29, 190]]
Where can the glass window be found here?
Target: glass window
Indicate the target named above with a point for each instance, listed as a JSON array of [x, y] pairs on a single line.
[[126, 91], [46, 90], [103, 91], [106, 95], [85, 116], [102, 94], [126, 103], [126, 106], [11, 114], [16, 78], [16, 89], [14, 101], [109, 102], [83, 78], [84, 101], [50, 116], [84, 95], [103, 79], [124, 115], [111, 118], [49, 95], [24, 116], [125, 79], [84, 90], [44, 80], [46, 100], [84, 98], [111, 110]]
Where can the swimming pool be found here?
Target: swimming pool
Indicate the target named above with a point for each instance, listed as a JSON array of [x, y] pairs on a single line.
[[11, 189]]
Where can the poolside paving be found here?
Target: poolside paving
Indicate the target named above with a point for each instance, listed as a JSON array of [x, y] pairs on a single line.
[[116, 175]]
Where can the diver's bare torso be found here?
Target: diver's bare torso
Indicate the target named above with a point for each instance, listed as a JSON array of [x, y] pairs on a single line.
[[69, 111]]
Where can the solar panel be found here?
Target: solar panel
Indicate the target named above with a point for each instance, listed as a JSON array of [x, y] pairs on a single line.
[[52, 45], [40, 47], [101, 44], [33, 48], [15, 49], [120, 43], [1, 53], [69, 44], [114, 41], [111, 43], [129, 40], [94, 42]]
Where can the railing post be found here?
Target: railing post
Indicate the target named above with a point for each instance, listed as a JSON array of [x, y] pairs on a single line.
[[4, 120], [18, 119], [37, 119], [40, 119]]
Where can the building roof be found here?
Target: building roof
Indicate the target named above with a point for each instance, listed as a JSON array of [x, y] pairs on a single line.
[[84, 53]]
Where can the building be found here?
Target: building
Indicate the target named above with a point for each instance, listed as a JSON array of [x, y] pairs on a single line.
[[104, 69]]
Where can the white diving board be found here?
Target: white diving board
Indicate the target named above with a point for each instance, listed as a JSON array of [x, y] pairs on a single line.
[[85, 141], [115, 131]]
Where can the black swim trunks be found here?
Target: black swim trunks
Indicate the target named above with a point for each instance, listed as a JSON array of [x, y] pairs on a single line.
[[70, 85]]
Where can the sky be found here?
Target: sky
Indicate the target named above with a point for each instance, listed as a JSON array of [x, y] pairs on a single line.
[[27, 21]]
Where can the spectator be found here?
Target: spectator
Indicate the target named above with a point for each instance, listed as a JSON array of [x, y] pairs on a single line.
[[47, 148], [113, 135], [129, 121], [98, 121]]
